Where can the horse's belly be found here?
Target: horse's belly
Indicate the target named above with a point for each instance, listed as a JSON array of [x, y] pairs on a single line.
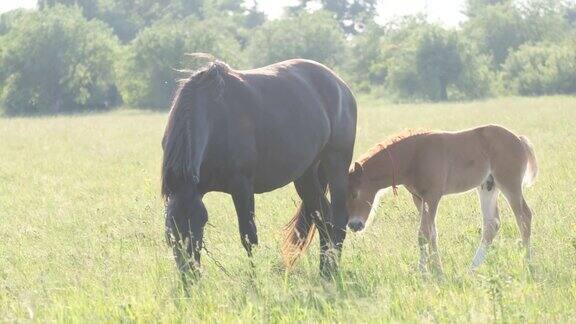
[[280, 164], [276, 173], [289, 138], [466, 176]]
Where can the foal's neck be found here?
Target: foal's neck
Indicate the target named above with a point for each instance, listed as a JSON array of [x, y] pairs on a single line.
[[386, 168]]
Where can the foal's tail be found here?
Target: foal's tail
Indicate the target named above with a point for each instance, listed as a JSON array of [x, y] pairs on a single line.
[[532, 168], [298, 234]]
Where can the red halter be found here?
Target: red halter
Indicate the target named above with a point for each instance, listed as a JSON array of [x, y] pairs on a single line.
[[394, 183]]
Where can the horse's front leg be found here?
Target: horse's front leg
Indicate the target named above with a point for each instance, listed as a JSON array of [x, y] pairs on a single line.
[[243, 196], [427, 235]]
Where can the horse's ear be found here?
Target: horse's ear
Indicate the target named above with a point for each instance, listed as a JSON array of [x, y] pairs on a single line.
[[356, 170]]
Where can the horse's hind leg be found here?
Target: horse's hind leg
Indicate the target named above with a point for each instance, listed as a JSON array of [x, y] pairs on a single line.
[[488, 194], [335, 164], [523, 215], [528, 229], [311, 188]]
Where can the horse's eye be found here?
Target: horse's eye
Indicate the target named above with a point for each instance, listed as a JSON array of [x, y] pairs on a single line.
[[354, 194]]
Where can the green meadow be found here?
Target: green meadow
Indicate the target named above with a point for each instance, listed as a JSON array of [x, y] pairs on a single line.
[[82, 231]]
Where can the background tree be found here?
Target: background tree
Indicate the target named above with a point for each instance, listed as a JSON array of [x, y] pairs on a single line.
[[254, 17], [372, 51], [438, 62], [127, 18], [541, 69], [89, 7], [314, 36], [51, 64], [366, 63], [353, 15], [8, 19], [430, 63], [499, 27], [152, 60], [475, 7], [55, 61]]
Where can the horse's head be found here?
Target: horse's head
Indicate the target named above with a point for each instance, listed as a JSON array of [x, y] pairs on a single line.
[[185, 145], [186, 217], [360, 198]]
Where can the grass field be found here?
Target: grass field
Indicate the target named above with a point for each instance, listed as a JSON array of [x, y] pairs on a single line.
[[82, 231]]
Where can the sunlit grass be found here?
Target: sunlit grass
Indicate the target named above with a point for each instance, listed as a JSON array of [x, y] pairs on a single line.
[[82, 231]]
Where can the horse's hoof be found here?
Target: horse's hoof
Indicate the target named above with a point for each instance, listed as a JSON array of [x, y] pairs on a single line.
[[329, 272]]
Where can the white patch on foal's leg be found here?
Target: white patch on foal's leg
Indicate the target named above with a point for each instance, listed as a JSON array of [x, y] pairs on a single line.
[[488, 194]]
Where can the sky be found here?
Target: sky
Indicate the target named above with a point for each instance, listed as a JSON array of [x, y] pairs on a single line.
[[446, 12]]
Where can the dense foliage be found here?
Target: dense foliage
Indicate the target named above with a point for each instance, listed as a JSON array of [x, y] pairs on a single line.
[[151, 62], [56, 61], [74, 55], [313, 36], [352, 15], [541, 69]]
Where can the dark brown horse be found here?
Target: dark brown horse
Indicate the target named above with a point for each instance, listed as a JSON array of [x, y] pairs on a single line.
[[247, 132]]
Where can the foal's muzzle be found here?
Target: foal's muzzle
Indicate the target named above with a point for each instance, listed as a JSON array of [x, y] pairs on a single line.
[[356, 225]]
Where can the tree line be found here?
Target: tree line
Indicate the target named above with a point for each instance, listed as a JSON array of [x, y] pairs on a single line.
[[84, 55]]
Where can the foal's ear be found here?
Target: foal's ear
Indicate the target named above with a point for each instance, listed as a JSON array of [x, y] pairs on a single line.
[[356, 170]]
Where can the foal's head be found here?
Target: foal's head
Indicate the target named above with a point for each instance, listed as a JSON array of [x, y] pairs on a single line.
[[360, 198]]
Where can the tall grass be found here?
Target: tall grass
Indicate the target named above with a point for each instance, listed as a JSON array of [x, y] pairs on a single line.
[[81, 231]]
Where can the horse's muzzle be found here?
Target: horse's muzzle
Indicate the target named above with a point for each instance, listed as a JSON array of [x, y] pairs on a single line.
[[356, 225]]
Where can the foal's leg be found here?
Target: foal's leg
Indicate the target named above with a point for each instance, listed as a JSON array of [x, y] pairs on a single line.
[[528, 229], [523, 216], [243, 197], [423, 262], [488, 194], [427, 234], [436, 264]]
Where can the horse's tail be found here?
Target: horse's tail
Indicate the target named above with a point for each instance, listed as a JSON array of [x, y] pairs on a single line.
[[532, 167], [298, 234]]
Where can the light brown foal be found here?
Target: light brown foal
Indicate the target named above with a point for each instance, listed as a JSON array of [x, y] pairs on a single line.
[[433, 164]]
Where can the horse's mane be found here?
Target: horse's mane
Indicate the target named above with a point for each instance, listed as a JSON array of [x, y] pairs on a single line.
[[210, 76], [177, 141], [390, 141]]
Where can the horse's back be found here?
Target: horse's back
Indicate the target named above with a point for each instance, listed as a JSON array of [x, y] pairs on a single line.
[[309, 83], [457, 160], [475, 153], [335, 97], [300, 107]]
